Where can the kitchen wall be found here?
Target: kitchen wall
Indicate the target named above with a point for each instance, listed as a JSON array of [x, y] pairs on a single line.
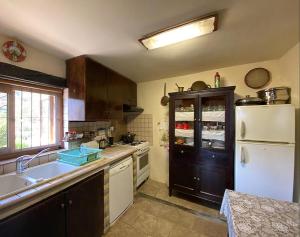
[[141, 126], [290, 72], [150, 93], [37, 60]]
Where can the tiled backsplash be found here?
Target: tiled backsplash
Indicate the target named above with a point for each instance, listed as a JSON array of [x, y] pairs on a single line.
[[88, 126], [142, 126], [7, 167]]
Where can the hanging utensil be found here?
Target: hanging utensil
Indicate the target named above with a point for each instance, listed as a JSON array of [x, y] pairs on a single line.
[[165, 99]]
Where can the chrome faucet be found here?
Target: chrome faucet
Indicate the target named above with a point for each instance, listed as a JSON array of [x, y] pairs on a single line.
[[21, 165]]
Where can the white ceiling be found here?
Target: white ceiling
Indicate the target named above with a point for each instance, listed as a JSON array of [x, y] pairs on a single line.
[[249, 31]]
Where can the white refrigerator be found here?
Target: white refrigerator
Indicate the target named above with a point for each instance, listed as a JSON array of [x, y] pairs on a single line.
[[265, 151]]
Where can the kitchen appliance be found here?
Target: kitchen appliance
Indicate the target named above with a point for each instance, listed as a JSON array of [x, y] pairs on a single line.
[[131, 109], [120, 188], [142, 158], [250, 101], [276, 95], [265, 150], [128, 138]]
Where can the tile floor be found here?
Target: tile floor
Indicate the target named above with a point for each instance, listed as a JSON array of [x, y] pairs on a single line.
[[153, 217], [161, 191]]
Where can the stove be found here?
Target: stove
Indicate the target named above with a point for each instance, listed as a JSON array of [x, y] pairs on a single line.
[[142, 160], [141, 147]]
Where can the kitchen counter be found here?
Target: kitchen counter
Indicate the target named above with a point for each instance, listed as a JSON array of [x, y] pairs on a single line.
[[249, 215], [11, 204]]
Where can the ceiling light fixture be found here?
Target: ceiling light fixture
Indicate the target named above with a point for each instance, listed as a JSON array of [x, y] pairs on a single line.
[[184, 31]]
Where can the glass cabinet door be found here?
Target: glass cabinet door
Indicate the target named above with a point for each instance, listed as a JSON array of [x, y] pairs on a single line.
[[185, 121], [213, 122]]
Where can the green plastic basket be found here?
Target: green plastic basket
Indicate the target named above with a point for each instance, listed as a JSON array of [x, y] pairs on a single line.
[[79, 156]]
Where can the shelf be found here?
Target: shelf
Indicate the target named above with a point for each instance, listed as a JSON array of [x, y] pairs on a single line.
[[213, 135], [184, 133], [184, 116], [213, 116]]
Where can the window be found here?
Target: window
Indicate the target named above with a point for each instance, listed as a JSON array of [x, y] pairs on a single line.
[[30, 117]]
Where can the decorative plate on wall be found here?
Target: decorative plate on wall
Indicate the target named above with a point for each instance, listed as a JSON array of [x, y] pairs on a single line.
[[257, 78], [14, 51]]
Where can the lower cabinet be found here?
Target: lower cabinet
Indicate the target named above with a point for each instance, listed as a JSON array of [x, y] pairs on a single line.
[[203, 181], [75, 212]]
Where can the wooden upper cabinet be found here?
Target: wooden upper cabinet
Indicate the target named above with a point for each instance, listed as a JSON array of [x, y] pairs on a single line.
[[97, 92]]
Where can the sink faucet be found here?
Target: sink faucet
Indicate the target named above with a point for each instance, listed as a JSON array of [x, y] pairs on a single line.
[[21, 165]]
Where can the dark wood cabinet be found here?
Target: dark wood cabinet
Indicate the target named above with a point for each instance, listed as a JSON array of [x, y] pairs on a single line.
[[75, 212], [201, 152], [85, 216], [97, 92], [43, 219]]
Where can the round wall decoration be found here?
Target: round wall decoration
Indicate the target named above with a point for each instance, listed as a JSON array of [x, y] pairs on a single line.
[[14, 51], [257, 78]]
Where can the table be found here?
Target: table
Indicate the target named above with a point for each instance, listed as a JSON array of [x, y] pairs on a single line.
[[249, 215]]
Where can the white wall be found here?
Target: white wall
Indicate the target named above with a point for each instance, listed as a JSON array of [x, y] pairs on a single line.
[[150, 93], [37, 60], [290, 72]]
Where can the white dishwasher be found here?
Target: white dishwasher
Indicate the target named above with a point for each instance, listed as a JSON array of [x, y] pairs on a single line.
[[120, 188]]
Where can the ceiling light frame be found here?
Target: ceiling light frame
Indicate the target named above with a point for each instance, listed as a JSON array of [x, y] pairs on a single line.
[[202, 18]]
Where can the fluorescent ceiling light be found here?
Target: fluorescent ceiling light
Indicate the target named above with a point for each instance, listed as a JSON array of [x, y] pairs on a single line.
[[181, 32]]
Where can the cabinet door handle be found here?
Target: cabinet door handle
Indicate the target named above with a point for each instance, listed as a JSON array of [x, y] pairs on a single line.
[[213, 156], [195, 178], [182, 151], [62, 205], [70, 202], [198, 179]]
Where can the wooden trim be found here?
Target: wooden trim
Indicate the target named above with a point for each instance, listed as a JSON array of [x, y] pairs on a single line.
[[9, 71], [29, 151], [8, 87], [30, 87]]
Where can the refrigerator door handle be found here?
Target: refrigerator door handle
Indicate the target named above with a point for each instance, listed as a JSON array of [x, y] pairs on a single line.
[[243, 159], [243, 129]]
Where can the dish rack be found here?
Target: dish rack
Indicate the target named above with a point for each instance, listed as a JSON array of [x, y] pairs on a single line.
[[79, 156]]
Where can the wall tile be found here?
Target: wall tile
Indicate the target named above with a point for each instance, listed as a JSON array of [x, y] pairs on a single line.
[[44, 159], [10, 167]]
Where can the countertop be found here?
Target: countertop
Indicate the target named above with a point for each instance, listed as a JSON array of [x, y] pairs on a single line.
[[18, 201]]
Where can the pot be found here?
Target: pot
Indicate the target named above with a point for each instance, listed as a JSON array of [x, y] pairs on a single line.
[[250, 101], [276, 95], [199, 85], [128, 138]]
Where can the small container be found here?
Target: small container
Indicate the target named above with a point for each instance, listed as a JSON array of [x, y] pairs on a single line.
[[217, 80]]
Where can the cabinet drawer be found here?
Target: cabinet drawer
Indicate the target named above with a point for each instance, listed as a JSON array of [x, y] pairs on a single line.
[[184, 153], [214, 158]]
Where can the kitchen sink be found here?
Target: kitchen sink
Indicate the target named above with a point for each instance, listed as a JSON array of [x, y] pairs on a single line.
[[12, 182], [49, 170]]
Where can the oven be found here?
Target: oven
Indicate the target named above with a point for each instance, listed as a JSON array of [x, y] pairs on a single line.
[[143, 165]]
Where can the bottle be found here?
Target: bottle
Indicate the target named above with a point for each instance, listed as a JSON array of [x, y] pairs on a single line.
[[217, 80]]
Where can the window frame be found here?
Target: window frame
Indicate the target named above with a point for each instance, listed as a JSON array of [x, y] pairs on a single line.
[[9, 86]]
